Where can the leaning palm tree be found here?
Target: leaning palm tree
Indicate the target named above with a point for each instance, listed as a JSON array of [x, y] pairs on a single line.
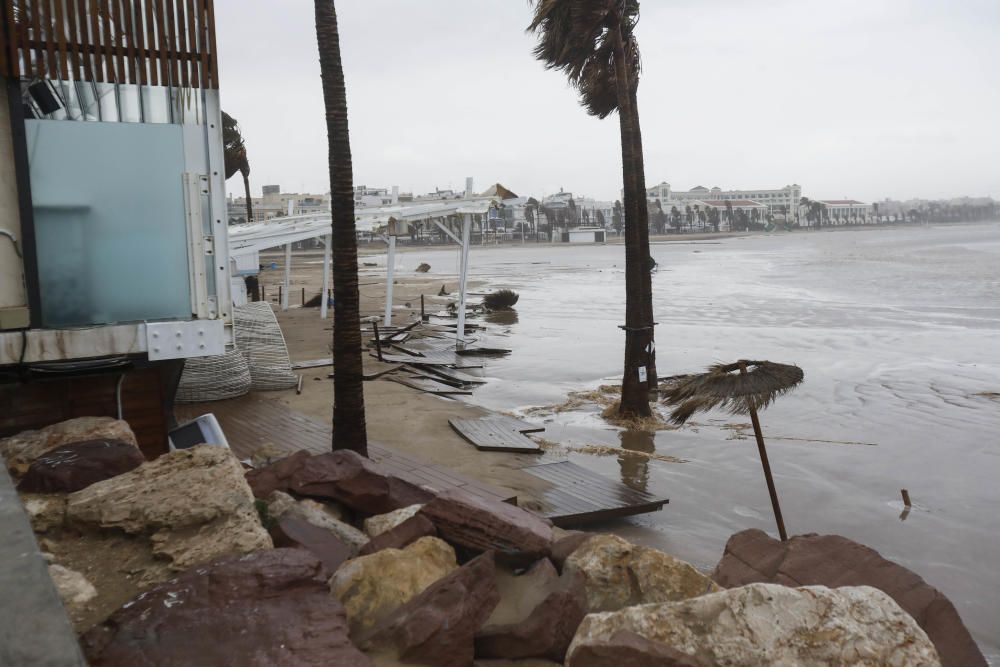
[[349, 431], [593, 43], [234, 152]]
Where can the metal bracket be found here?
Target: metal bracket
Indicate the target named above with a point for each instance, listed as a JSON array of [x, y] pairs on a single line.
[[181, 340]]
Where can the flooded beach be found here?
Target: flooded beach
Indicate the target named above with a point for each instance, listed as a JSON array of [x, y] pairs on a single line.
[[896, 330]]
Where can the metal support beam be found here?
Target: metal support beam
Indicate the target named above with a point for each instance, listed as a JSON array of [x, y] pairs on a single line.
[[390, 272], [447, 231], [460, 329], [288, 276], [324, 297]]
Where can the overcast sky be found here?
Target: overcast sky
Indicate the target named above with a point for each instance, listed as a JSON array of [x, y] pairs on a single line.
[[853, 98]]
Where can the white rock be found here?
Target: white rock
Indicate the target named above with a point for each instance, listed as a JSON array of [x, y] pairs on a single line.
[[770, 624], [280, 503], [619, 574], [74, 589], [381, 523]]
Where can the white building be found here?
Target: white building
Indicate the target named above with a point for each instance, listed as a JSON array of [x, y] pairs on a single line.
[[842, 211], [780, 200]]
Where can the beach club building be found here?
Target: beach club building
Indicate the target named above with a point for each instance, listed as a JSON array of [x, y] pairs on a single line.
[[845, 211], [776, 201]]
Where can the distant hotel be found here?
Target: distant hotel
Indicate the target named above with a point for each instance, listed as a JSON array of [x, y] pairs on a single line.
[[782, 200]]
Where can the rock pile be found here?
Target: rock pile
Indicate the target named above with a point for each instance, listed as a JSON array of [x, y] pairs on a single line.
[[367, 569]]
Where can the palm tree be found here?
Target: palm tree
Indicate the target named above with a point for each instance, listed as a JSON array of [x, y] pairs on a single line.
[[593, 42], [349, 431], [234, 151]]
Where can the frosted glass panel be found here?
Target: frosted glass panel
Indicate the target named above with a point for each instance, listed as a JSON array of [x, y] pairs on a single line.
[[109, 221]]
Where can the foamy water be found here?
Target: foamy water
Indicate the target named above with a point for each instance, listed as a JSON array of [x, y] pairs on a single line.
[[898, 332]]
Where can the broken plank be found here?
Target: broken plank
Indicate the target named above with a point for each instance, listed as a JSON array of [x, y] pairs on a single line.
[[430, 386], [486, 434], [311, 363], [453, 375], [482, 352]]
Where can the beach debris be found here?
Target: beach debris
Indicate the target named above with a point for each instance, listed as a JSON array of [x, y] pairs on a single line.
[[618, 574], [443, 291], [742, 388], [497, 434], [770, 624], [200, 618], [835, 561], [906, 497], [503, 299], [423, 268]]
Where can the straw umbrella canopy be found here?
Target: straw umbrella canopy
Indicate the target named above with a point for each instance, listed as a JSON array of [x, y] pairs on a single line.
[[742, 388]]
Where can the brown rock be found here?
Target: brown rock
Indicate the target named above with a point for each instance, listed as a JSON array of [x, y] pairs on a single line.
[[516, 535], [627, 649], [565, 543], [267, 608], [401, 536], [437, 627], [295, 533], [21, 449], [831, 560], [276, 476], [547, 630], [352, 480], [77, 465]]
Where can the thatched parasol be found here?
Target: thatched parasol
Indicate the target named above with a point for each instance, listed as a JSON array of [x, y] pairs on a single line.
[[741, 388]]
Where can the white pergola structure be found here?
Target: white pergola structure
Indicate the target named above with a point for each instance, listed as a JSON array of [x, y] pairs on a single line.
[[248, 240]]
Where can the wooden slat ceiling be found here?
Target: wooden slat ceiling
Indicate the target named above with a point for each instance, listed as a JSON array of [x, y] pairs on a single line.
[[145, 42]]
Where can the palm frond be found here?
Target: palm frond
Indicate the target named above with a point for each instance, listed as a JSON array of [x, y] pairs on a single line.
[[723, 385]]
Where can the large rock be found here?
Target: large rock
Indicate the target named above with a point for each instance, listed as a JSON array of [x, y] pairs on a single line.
[[295, 533], [193, 504], [564, 543], [831, 560], [267, 608], [401, 536], [627, 649], [352, 480], [380, 523], [73, 588], [769, 624], [437, 627], [21, 449], [276, 476], [542, 619], [45, 511], [517, 536], [372, 587], [618, 574], [77, 465], [280, 505]]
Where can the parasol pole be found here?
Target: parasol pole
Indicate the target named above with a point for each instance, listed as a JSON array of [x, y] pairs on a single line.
[[767, 466]]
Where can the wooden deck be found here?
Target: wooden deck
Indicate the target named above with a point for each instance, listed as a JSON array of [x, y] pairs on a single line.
[[580, 496], [496, 434], [255, 425]]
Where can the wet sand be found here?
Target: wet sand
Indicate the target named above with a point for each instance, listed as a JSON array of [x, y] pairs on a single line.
[[896, 330]]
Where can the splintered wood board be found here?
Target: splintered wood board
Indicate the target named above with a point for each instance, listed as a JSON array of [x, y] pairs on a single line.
[[494, 435], [452, 375], [429, 386], [312, 363], [430, 359]]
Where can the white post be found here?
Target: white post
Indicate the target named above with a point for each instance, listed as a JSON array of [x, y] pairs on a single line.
[[460, 329], [328, 239], [390, 270], [291, 207], [288, 276]]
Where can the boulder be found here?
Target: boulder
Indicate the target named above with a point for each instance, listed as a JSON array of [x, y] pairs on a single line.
[[292, 532], [381, 523], [521, 593], [437, 626], [618, 574], [352, 480], [267, 608], [76, 466], [21, 449], [276, 476], [517, 536], [548, 627], [627, 649], [831, 560], [45, 511], [769, 624], [193, 504], [564, 543], [372, 587], [401, 536], [280, 504], [73, 588]]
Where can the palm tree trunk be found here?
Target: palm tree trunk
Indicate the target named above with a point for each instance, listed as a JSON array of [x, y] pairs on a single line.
[[349, 431], [638, 314], [246, 190]]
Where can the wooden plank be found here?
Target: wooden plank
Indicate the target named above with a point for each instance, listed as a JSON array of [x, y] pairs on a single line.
[[482, 352], [149, 12], [60, 28], [312, 363], [581, 496], [162, 41], [430, 386], [48, 26], [212, 81], [118, 35], [107, 43], [517, 424], [133, 64], [12, 38], [73, 45], [182, 47], [191, 61], [453, 375], [488, 435]]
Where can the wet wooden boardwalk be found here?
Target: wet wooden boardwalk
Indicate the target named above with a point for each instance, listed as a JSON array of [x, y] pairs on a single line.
[[580, 496], [258, 426]]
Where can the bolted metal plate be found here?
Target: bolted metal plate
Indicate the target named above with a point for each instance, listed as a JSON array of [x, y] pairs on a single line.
[[183, 340]]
